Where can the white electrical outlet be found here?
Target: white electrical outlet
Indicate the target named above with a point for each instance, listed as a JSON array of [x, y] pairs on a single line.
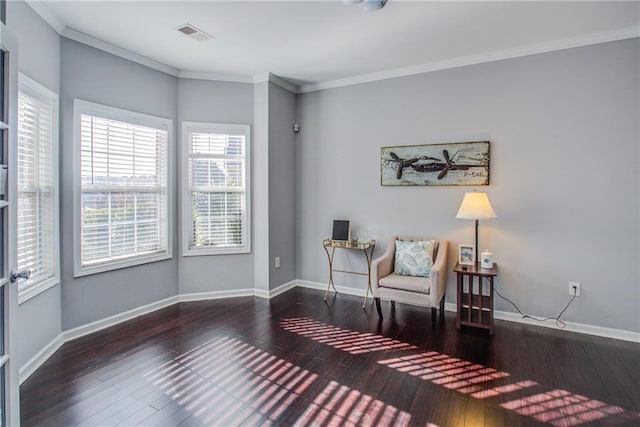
[[277, 263], [574, 289]]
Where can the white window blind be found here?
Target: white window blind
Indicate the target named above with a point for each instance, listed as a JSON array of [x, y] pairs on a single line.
[[36, 241], [123, 186], [217, 167]]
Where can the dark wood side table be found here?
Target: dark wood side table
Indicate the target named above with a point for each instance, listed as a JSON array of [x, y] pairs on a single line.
[[474, 306]]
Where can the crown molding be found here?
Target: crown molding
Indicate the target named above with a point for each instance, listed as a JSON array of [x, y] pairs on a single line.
[[498, 55], [43, 11], [202, 75], [258, 78], [278, 81], [118, 51], [285, 84]]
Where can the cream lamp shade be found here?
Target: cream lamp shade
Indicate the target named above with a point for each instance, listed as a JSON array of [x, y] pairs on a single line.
[[476, 205]]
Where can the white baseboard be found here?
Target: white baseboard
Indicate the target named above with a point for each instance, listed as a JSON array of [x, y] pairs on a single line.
[[261, 293], [581, 328], [72, 334], [107, 322], [619, 334], [280, 289], [139, 311], [323, 287], [201, 296], [36, 361]]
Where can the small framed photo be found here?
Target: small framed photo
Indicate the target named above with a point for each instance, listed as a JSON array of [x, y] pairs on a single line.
[[466, 254]]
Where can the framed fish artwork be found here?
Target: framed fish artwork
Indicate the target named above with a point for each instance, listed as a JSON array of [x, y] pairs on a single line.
[[455, 163]]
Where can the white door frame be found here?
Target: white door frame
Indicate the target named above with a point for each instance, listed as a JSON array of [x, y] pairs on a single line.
[[12, 391]]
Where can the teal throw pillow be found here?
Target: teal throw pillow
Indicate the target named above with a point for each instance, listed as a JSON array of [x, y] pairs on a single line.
[[414, 258]]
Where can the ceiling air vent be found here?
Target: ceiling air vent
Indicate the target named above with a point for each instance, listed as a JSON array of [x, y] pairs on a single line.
[[194, 33]]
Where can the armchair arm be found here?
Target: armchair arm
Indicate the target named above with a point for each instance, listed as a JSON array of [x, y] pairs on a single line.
[[382, 266], [439, 274]]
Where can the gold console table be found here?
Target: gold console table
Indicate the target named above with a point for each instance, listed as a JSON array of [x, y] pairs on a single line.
[[366, 247]]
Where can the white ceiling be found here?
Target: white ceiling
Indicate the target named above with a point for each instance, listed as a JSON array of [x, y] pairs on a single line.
[[323, 41]]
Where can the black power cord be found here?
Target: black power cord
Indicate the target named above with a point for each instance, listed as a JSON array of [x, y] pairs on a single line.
[[559, 323]]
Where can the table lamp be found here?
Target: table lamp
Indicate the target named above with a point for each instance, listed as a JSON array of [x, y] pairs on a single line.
[[476, 206]]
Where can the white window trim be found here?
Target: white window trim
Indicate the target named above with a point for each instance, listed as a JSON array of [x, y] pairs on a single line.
[[33, 88], [85, 107], [185, 193]]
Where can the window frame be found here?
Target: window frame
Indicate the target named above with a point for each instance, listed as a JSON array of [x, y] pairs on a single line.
[[186, 198], [80, 107], [36, 90]]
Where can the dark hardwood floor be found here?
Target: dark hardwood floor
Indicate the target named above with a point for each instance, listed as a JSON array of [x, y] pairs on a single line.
[[296, 360]]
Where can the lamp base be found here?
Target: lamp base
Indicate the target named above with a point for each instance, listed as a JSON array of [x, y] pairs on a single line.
[[477, 248]]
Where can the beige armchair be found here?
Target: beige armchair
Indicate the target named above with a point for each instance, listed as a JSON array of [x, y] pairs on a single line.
[[422, 291]]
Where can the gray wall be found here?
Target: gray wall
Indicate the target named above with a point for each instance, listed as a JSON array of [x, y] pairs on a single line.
[[282, 185], [39, 318], [38, 45], [215, 102], [565, 177], [96, 76]]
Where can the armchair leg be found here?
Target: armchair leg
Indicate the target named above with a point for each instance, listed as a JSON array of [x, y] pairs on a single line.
[[377, 300], [433, 316], [442, 309]]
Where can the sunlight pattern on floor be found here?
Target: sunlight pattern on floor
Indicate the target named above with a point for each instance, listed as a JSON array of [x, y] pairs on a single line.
[[557, 407], [225, 381], [444, 370], [561, 408], [342, 339], [338, 405], [504, 389]]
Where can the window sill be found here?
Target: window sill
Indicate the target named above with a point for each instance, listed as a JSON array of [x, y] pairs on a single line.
[[210, 251], [80, 271], [35, 290]]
